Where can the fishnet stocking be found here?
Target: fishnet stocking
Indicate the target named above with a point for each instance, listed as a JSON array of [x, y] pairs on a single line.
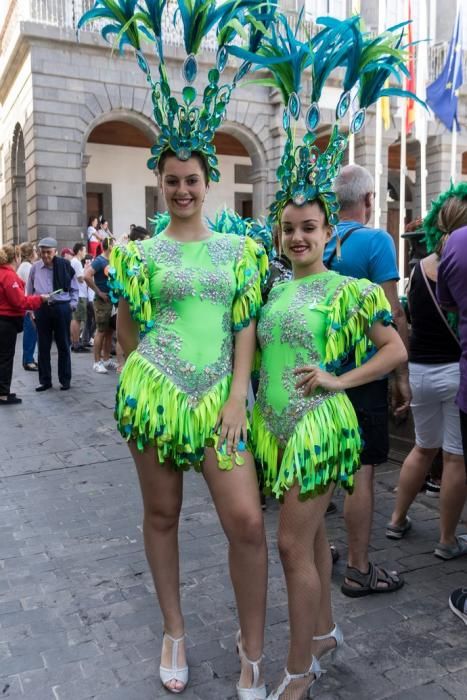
[[298, 689]]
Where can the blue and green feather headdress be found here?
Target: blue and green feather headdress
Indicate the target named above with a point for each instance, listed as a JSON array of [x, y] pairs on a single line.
[[305, 173], [184, 127]]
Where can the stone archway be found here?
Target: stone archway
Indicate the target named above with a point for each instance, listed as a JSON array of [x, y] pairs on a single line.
[[18, 186], [116, 182]]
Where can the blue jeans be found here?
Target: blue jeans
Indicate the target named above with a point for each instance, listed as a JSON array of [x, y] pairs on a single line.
[[29, 340]]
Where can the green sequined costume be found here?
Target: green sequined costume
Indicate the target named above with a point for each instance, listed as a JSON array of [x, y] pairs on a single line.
[[316, 320], [189, 299]]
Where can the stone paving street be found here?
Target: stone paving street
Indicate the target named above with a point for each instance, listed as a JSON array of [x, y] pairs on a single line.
[[78, 618]]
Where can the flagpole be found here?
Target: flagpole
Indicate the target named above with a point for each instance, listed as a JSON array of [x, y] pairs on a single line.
[[454, 151], [423, 177], [379, 132], [403, 173]]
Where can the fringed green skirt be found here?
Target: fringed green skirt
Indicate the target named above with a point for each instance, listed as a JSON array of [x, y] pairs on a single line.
[[324, 448], [152, 411]]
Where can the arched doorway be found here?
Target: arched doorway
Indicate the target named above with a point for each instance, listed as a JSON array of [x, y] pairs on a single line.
[[18, 187], [120, 187]]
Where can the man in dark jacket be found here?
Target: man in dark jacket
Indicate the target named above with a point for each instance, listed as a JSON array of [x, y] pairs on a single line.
[[54, 276]]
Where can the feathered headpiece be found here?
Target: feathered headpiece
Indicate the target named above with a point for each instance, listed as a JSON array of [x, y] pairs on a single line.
[[433, 235], [226, 221], [185, 127], [305, 173]]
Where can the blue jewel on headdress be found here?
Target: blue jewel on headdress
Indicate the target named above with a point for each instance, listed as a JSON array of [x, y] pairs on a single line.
[[190, 68], [343, 105], [358, 121], [312, 117], [294, 105], [221, 58]]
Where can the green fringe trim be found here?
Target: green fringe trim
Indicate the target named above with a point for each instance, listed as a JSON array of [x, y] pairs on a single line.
[[324, 447], [152, 411], [251, 272], [129, 278], [350, 313]]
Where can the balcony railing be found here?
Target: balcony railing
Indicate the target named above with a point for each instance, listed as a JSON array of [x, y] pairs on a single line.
[[66, 13]]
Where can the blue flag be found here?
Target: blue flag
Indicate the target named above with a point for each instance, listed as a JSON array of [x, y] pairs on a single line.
[[442, 95]]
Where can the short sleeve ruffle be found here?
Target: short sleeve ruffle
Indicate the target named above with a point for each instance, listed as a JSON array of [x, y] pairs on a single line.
[[251, 271], [353, 309], [129, 279]]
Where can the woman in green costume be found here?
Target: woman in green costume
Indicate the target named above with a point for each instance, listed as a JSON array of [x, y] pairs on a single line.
[[305, 430], [188, 301], [181, 400]]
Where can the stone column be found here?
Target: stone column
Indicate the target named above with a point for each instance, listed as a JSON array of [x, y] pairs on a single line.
[[258, 179], [85, 160], [365, 155]]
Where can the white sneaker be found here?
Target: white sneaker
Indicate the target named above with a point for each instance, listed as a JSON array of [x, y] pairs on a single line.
[[109, 364], [99, 367]]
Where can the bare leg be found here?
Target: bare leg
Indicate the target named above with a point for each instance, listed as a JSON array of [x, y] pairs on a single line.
[[299, 525], [98, 343], [452, 496], [323, 563], [75, 327], [162, 492], [358, 515], [236, 497], [107, 345], [412, 475]]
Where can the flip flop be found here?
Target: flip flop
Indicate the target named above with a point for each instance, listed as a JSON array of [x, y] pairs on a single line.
[[452, 551]]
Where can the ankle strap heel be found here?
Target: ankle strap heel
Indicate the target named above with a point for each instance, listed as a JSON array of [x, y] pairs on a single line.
[[337, 635], [314, 670], [255, 692]]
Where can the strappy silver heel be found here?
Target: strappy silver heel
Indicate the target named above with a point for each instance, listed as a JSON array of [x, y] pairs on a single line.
[[256, 692], [174, 673], [335, 633], [315, 669]]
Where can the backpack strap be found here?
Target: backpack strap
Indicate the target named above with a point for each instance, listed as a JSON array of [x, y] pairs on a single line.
[[340, 242]]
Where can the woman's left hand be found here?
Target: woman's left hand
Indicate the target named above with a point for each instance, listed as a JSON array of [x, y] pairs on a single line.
[[313, 377], [232, 424]]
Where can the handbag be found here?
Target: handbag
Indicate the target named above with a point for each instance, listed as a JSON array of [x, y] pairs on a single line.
[[435, 302]]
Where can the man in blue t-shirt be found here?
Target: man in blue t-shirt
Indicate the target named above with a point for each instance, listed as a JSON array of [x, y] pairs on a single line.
[[360, 251]]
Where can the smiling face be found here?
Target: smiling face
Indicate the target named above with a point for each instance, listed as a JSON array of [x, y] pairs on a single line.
[[184, 187], [305, 232]]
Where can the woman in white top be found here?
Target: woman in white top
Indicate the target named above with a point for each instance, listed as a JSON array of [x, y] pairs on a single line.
[[28, 257], [94, 240]]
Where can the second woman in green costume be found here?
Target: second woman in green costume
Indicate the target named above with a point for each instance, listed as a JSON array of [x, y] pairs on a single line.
[[305, 430]]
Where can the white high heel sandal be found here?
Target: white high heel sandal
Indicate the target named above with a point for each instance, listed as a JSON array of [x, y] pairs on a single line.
[[256, 692], [174, 673], [315, 669], [335, 633]]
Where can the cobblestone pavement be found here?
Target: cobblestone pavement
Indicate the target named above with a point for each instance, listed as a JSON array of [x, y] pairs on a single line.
[[78, 618]]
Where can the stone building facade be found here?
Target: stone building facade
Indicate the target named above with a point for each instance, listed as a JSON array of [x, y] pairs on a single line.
[[68, 109]]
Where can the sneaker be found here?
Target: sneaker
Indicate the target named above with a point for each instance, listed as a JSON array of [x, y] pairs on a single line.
[[452, 551], [458, 603], [109, 364], [432, 488], [99, 367]]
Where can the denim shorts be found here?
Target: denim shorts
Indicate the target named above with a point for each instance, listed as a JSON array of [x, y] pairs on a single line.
[[434, 410]]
